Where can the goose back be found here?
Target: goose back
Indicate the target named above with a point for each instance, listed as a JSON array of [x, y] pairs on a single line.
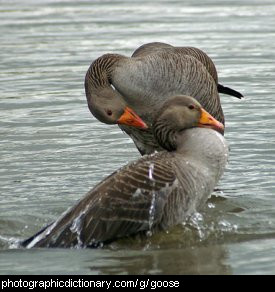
[[147, 82], [151, 48]]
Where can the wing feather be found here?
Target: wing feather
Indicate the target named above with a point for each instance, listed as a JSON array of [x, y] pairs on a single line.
[[127, 202]]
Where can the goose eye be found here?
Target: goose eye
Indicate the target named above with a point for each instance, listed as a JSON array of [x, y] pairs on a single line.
[[109, 112], [191, 107]]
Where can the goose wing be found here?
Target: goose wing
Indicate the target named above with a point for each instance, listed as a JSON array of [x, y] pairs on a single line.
[[127, 202]]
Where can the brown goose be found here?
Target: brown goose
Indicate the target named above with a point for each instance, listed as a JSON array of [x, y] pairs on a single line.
[[153, 193], [144, 82], [191, 51]]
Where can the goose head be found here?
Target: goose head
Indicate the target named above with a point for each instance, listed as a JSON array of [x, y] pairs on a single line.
[[104, 101], [178, 114], [108, 106]]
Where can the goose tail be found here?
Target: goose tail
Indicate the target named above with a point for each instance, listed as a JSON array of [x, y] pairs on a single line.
[[229, 91]]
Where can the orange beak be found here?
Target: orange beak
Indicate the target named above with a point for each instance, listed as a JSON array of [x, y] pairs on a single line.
[[130, 118], [207, 121]]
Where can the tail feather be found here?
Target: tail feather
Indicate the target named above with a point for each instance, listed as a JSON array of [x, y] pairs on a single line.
[[229, 91]]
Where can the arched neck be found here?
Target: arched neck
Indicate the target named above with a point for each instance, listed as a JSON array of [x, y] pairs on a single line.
[[98, 81], [100, 72]]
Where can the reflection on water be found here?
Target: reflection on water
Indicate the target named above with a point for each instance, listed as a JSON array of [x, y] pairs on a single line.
[[200, 260], [52, 151]]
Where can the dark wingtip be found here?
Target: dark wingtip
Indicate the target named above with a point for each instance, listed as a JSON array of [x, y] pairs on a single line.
[[229, 91], [26, 242]]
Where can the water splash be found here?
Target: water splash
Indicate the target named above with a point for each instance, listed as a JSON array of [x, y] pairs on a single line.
[[211, 205], [196, 221], [153, 200], [151, 170], [152, 211], [12, 242], [76, 228], [207, 229], [226, 226], [137, 193]]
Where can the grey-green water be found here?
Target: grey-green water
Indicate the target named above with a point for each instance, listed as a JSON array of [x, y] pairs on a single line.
[[52, 151]]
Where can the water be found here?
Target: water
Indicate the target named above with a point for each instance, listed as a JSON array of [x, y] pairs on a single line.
[[52, 151]]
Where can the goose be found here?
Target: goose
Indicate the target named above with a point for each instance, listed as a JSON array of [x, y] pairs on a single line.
[[192, 51], [153, 193], [143, 83]]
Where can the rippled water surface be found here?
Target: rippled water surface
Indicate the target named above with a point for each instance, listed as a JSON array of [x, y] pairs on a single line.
[[52, 151]]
